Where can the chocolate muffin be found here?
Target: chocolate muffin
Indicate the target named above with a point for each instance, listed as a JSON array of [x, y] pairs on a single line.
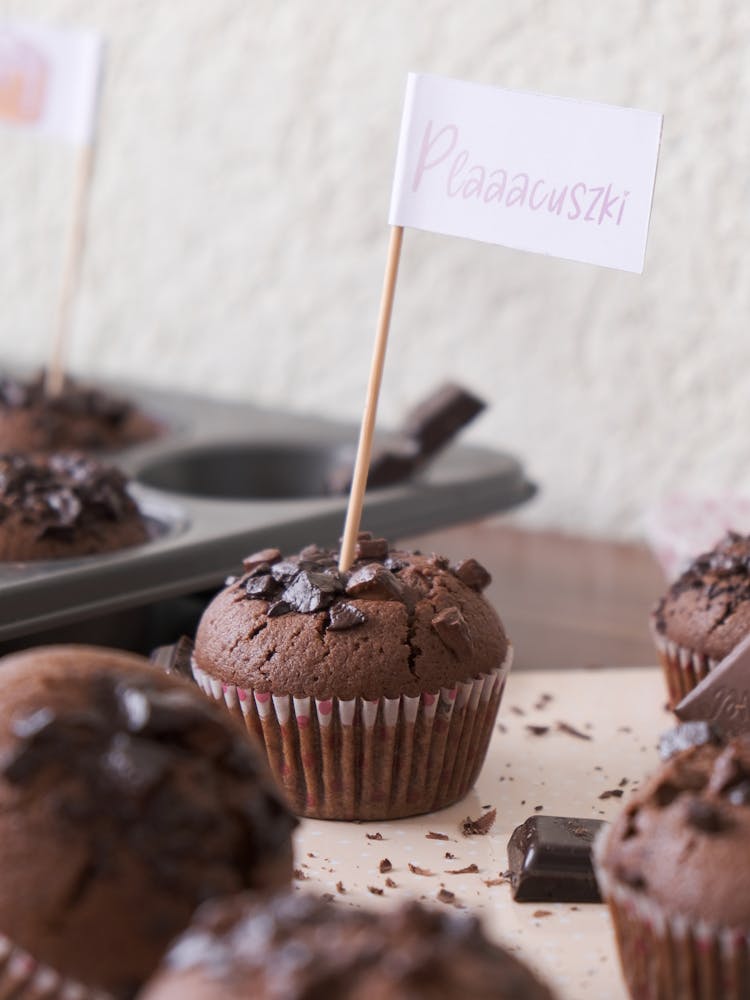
[[704, 614], [64, 505], [296, 947], [80, 417], [675, 869], [126, 800], [374, 692]]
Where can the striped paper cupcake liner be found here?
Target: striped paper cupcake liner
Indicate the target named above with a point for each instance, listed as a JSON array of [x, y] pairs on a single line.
[[666, 956], [683, 668], [24, 978], [358, 759]]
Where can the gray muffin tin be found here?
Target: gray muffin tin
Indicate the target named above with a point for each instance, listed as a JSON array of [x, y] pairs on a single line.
[[224, 480]]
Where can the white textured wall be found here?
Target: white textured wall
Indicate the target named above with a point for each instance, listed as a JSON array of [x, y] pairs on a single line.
[[238, 231]]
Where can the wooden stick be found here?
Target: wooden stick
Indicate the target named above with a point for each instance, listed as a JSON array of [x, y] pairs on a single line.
[[364, 448], [55, 378]]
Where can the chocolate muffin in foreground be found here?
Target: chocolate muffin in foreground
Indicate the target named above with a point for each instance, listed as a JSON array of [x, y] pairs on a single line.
[[704, 614], [64, 505], [675, 869], [126, 800], [373, 691], [296, 947], [80, 417]]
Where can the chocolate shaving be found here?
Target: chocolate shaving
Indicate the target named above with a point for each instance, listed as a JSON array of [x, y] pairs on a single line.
[[375, 890], [446, 896], [537, 730], [565, 727], [542, 913], [612, 793], [437, 836], [416, 870], [468, 870], [391, 884], [479, 827], [374, 836], [385, 866]]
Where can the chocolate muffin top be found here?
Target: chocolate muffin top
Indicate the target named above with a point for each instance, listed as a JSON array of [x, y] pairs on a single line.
[[397, 623], [298, 948], [708, 608], [126, 799], [64, 504], [79, 417], [684, 840]]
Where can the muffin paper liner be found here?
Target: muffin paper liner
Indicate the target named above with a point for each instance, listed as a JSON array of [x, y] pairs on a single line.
[[667, 956], [683, 668], [23, 978], [367, 760]]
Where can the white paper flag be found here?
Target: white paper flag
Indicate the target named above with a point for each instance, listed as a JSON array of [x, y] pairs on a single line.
[[569, 178], [49, 80]]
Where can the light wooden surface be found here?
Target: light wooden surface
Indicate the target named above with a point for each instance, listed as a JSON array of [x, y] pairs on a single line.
[[566, 602], [571, 945]]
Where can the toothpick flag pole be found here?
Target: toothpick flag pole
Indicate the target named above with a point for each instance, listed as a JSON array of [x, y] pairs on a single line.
[[55, 378], [364, 448]]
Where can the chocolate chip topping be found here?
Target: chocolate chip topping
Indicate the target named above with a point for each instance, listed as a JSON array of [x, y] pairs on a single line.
[[73, 400], [159, 770], [298, 946], [62, 492], [311, 582]]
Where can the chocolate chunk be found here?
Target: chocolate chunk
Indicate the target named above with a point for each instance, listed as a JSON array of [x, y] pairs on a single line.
[[285, 571], [343, 615], [268, 556], [550, 860], [174, 659], [453, 631], [436, 420], [310, 592], [739, 795], [689, 734], [473, 574], [278, 608], [723, 697], [135, 767], [261, 587], [371, 548], [704, 816], [375, 582]]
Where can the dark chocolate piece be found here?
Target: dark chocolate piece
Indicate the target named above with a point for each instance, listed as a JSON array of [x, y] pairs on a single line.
[[453, 631], [689, 734], [437, 419], [473, 574], [723, 697], [343, 615], [174, 659], [550, 860]]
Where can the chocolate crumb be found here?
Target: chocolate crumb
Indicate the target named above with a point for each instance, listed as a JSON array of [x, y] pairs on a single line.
[[437, 836], [516, 710], [391, 884], [327, 897], [612, 793], [623, 782], [449, 856], [537, 730], [468, 870], [340, 888], [479, 827], [538, 808], [416, 870], [385, 866], [375, 890], [374, 836], [565, 727], [542, 913], [299, 875], [490, 882], [446, 896]]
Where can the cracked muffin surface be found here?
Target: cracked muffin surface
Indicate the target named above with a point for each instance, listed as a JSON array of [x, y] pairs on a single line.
[[397, 623]]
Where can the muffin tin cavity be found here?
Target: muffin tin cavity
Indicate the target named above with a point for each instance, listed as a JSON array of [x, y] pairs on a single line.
[[245, 471]]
